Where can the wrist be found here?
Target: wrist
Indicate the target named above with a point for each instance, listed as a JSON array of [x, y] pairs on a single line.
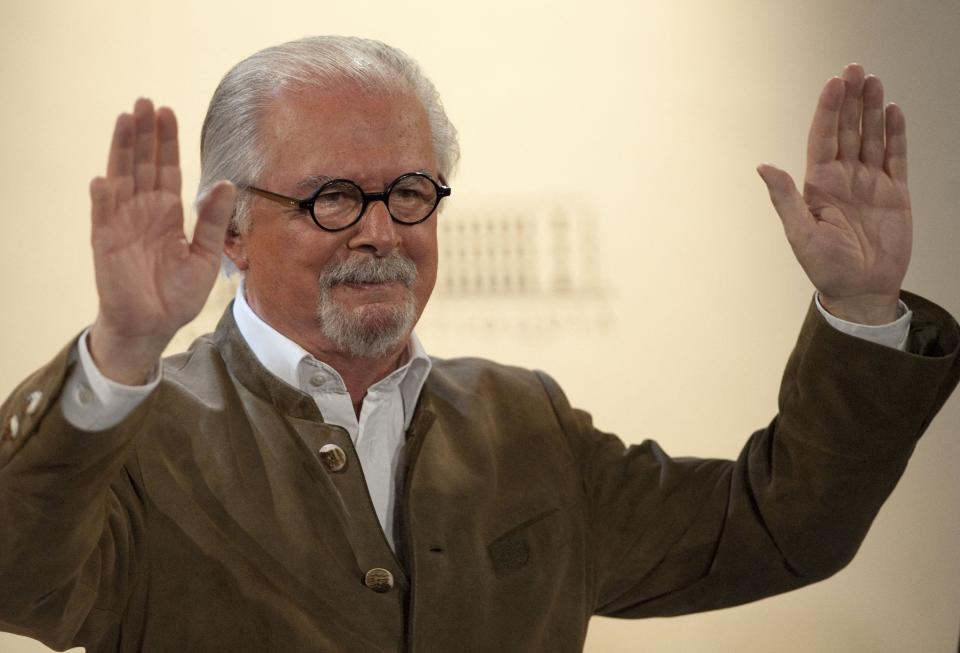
[[872, 310], [124, 358]]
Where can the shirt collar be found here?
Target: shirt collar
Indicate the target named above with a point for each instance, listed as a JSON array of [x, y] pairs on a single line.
[[283, 357]]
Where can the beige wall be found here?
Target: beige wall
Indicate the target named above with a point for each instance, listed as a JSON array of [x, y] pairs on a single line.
[[649, 118]]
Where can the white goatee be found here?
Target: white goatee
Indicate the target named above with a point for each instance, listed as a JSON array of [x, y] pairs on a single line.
[[368, 331]]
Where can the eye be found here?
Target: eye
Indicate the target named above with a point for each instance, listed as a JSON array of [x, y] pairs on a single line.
[[409, 194], [413, 189], [336, 195], [331, 197]]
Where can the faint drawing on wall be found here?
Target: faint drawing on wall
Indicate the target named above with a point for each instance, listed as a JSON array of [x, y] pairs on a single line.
[[533, 270], [545, 253]]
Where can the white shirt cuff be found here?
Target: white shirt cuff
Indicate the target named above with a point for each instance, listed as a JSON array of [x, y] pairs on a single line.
[[92, 402], [892, 335]]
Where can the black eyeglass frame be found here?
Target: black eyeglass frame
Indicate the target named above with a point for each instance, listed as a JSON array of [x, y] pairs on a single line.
[[367, 199]]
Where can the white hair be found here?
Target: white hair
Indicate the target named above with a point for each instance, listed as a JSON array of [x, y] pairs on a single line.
[[230, 144]]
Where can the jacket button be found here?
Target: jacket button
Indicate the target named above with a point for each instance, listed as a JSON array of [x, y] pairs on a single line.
[[14, 427], [333, 457], [379, 580], [33, 401]]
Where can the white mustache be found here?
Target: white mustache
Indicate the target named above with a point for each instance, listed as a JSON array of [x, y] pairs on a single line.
[[369, 269]]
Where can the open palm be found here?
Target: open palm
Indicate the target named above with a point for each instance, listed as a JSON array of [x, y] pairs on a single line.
[[851, 229], [151, 280]]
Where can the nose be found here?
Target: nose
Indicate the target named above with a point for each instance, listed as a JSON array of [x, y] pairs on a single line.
[[376, 232]]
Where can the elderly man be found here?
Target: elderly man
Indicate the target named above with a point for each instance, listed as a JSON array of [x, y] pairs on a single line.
[[308, 479]]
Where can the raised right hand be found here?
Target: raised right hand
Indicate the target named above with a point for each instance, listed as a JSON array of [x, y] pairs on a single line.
[[151, 280], [851, 229]]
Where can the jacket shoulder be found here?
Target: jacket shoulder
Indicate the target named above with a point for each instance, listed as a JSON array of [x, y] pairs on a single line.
[[478, 385], [468, 371], [200, 371], [479, 377]]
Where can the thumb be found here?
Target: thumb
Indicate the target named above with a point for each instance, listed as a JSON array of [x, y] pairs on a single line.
[[214, 210], [788, 202]]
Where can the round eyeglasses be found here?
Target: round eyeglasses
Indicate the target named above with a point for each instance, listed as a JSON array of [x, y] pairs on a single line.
[[340, 203]]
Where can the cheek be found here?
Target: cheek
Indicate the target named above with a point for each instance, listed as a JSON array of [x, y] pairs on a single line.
[[294, 252], [427, 262], [423, 251]]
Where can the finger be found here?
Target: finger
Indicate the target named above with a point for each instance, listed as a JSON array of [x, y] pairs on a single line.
[[871, 146], [788, 202], [849, 134], [213, 215], [895, 159], [144, 145], [120, 159], [168, 152], [101, 202], [822, 140]]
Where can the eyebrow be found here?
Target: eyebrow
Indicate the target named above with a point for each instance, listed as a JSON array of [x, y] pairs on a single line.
[[312, 183]]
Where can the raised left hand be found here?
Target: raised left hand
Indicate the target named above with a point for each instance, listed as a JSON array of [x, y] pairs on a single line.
[[851, 230]]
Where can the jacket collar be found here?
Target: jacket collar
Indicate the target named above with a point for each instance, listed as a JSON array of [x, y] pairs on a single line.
[[243, 365]]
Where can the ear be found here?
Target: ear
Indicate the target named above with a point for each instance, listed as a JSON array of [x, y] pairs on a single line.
[[235, 247]]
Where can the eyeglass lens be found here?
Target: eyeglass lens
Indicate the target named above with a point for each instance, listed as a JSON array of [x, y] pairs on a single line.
[[338, 203]]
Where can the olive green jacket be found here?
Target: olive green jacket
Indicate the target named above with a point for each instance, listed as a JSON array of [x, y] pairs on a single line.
[[207, 520]]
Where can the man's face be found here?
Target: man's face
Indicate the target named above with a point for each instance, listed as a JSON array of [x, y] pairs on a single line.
[[290, 264]]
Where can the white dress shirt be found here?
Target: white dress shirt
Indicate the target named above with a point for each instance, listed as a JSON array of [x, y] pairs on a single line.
[[92, 402], [385, 415]]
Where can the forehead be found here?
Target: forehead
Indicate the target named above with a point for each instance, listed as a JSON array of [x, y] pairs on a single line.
[[369, 136]]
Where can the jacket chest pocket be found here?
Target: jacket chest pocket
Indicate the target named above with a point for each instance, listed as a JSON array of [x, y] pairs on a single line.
[[531, 547]]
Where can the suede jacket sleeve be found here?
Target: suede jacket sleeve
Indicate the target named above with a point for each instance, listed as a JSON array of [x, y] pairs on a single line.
[[680, 535], [70, 512]]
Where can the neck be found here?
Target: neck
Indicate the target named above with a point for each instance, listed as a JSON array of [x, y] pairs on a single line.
[[360, 373]]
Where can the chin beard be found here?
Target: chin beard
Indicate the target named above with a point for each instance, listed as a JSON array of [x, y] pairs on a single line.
[[368, 331]]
